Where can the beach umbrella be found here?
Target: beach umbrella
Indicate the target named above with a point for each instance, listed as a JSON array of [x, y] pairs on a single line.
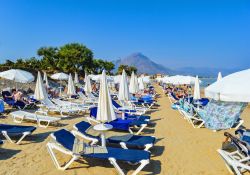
[[123, 94], [234, 87], [45, 78], [40, 92], [197, 94], [76, 80], [180, 80], [60, 76], [87, 87], [71, 87], [105, 110], [141, 84], [17, 75], [219, 76], [133, 85]]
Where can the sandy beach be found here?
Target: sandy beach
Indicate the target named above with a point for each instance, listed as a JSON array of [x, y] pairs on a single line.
[[180, 149]]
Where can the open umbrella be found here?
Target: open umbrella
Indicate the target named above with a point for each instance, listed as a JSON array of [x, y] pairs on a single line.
[[219, 76], [40, 92], [60, 76], [105, 111], [123, 88], [234, 87], [71, 87], [17, 75], [76, 80], [197, 94], [133, 85]]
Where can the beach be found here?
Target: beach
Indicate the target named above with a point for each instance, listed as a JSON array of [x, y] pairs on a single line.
[[180, 149]]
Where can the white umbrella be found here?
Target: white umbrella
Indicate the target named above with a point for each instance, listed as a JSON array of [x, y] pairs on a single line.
[[87, 87], [45, 78], [40, 92], [123, 88], [76, 80], [219, 76], [71, 87], [179, 80], [141, 84], [17, 75], [133, 86], [60, 76], [197, 94], [234, 87], [105, 110]]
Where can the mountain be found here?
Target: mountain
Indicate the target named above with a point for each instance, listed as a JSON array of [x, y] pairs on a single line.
[[142, 63]]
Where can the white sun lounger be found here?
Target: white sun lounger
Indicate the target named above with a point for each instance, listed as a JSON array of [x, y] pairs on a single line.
[[87, 100], [72, 105], [19, 116]]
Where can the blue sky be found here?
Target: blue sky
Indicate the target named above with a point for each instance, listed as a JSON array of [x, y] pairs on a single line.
[[204, 33]]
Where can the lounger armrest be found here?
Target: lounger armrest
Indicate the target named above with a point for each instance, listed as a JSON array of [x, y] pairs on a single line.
[[42, 112]]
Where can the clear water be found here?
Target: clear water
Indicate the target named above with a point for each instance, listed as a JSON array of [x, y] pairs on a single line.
[[207, 81]]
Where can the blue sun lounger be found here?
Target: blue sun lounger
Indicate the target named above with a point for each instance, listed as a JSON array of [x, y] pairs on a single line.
[[120, 124], [127, 141], [64, 140], [16, 130]]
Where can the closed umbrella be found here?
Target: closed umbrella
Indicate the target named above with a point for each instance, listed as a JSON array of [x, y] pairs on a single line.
[[105, 111], [197, 94], [45, 78], [219, 76], [234, 87], [71, 87], [40, 92], [133, 86], [17, 75], [76, 80], [141, 84], [87, 87], [123, 88]]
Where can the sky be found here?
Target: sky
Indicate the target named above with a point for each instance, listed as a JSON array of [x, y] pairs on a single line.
[[173, 33]]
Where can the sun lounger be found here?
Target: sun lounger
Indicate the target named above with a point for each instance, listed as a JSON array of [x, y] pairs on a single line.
[[120, 124], [127, 141], [87, 100], [64, 142], [237, 161], [129, 109], [1, 143], [50, 106], [42, 120], [16, 130], [71, 105]]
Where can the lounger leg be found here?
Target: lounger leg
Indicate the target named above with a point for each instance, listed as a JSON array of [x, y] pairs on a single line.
[[7, 137], [24, 135], [143, 164], [142, 127], [148, 146], [18, 121], [117, 167], [50, 147], [240, 123], [123, 145], [11, 141], [43, 126]]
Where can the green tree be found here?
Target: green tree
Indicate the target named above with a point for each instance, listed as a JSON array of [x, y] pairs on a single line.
[[128, 69], [49, 58]]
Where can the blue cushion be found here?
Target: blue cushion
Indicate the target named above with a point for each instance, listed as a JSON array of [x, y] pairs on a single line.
[[83, 127], [16, 129]]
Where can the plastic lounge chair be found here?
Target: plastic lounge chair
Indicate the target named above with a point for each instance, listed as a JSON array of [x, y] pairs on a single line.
[[16, 130], [129, 109], [120, 124], [237, 161], [86, 99], [131, 141], [55, 108], [19, 116], [64, 142]]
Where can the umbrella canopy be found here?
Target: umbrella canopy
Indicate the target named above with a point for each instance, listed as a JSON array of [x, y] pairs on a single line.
[[234, 87], [87, 87], [40, 92], [76, 80], [60, 76], [105, 111], [45, 78], [219, 76], [197, 94], [71, 87], [123, 88], [17, 75], [141, 84], [133, 85]]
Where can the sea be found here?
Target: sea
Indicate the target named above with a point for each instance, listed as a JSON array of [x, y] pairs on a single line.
[[207, 81]]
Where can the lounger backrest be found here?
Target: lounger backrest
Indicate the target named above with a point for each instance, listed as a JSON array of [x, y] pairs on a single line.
[[222, 115], [83, 125], [115, 104], [5, 93], [47, 102], [93, 112], [65, 138]]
